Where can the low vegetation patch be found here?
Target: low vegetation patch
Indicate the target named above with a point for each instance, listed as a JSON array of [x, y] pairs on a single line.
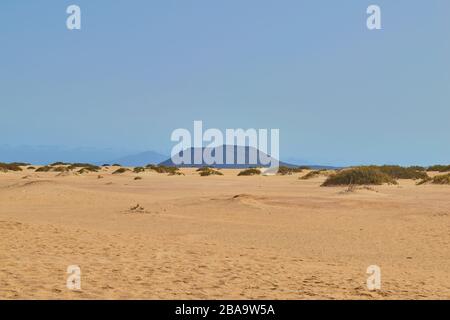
[[5, 167], [313, 174], [441, 179], [44, 169], [59, 163], [418, 168], [87, 166], [60, 169], [398, 172], [439, 168], [207, 171], [359, 176], [83, 171], [121, 170], [250, 172], [138, 169], [283, 170], [164, 169]]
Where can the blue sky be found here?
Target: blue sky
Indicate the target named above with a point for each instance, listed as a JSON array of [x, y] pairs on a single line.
[[339, 93]]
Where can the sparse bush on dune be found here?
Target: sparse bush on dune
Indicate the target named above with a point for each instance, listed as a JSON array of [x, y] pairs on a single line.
[[84, 170], [106, 165], [121, 170], [176, 173], [5, 167], [441, 179], [312, 174], [138, 169], [44, 169], [31, 168], [60, 169], [418, 168], [116, 165], [203, 169], [250, 172], [87, 166], [283, 170], [207, 171], [164, 169], [59, 163], [359, 176], [137, 178], [439, 168], [398, 172]]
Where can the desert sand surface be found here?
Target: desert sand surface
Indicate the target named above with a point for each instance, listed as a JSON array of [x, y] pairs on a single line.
[[219, 237]]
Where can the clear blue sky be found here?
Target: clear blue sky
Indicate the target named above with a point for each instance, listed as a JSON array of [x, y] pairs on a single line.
[[339, 93]]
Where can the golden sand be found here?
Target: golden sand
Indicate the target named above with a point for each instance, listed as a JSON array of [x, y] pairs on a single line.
[[219, 237]]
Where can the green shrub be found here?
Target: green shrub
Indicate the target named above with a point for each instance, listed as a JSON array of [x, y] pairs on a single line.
[[418, 168], [116, 165], [121, 170], [165, 169], [312, 174], [83, 170], [359, 176], [60, 169], [398, 172], [203, 169], [250, 172], [441, 179], [106, 165], [44, 169], [59, 163], [5, 167], [52, 169], [283, 170], [206, 171], [439, 168], [31, 168], [137, 178], [176, 173], [87, 166], [138, 169]]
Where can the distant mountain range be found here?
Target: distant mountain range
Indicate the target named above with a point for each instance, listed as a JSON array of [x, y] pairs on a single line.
[[245, 150], [45, 154], [49, 154], [140, 159]]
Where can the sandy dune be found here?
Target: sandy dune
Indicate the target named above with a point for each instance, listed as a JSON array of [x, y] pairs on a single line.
[[224, 237]]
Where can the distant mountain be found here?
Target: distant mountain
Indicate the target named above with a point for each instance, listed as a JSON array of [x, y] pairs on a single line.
[[139, 160], [245, 150], [49, 154], [306, 163]]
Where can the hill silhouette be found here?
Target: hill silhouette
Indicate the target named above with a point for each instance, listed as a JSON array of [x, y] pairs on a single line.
[[233, 164]]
